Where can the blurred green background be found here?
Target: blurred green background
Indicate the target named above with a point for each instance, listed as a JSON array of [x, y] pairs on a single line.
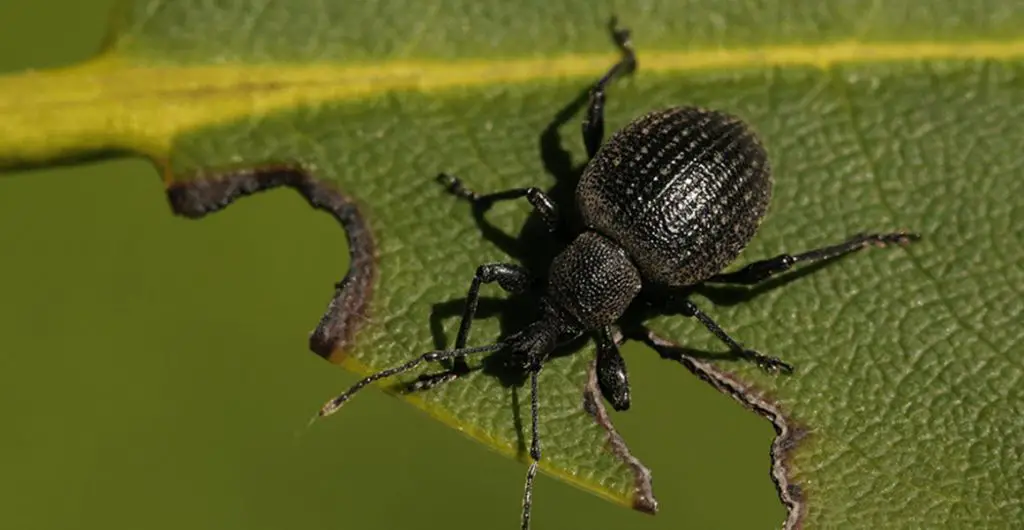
[[141, 387]]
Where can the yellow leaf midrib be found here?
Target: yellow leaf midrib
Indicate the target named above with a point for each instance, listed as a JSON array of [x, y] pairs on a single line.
[[115, 103]]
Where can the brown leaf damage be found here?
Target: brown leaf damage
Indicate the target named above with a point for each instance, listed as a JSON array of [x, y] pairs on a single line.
[[643, 494], [788, 433], [210, 191]]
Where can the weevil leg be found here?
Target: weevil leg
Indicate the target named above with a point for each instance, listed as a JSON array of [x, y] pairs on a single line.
[[611, 371], [766, 363], [762, 270], [593, 120], [534, 446], [333, 405], [510, 277], [540, 200]]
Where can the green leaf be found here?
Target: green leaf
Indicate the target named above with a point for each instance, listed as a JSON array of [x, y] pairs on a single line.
[[905, 410]]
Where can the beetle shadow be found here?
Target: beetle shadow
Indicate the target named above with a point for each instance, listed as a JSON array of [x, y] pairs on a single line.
[[535, 246], [721, 294]]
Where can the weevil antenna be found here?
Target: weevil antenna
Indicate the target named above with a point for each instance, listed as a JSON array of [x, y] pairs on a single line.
[[438, 355], [534, 447]]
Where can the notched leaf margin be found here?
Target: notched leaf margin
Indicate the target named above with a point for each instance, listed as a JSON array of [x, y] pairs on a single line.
[[788, 432], [593, 404], [208, 191]]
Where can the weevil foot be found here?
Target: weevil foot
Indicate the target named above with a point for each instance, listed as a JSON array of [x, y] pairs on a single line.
[[901, 238], [771, 365], [428, 381], [622, 37], [455, 186]]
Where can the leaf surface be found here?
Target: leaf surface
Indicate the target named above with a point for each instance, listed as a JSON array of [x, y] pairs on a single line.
[[906, 406]]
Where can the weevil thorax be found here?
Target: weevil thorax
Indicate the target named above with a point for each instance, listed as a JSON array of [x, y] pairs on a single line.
[[681, 190], [591, 282]]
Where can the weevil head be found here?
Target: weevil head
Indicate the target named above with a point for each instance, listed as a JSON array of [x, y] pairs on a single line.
[[534, 343]]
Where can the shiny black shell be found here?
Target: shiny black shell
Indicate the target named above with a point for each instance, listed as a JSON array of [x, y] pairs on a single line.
[[682, 190]]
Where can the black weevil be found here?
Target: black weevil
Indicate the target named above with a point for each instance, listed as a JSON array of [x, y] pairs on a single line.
[[669, 201]]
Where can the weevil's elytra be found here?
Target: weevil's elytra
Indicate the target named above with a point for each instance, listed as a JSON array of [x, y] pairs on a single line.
[[669, 201], [682, 190]]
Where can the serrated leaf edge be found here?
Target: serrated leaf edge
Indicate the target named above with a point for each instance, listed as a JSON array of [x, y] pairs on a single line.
[[788, 433]]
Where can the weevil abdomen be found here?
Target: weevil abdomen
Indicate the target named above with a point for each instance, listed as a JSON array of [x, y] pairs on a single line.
[[682, 190]]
